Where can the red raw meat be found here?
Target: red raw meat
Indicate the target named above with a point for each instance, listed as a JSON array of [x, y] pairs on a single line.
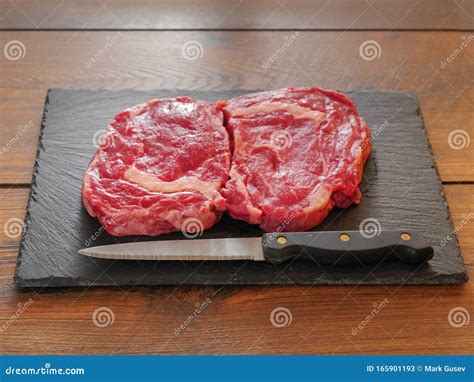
[[160, 168], [297, 152]]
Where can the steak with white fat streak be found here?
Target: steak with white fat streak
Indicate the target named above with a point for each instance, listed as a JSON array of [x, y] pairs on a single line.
[[160, 168], [297, 153]]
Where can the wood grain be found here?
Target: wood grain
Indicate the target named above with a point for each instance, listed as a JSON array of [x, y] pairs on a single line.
[[154, 60], [237, 14], [237, 319]]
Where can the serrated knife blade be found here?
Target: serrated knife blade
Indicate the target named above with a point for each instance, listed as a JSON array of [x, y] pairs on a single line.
[[184, 250]]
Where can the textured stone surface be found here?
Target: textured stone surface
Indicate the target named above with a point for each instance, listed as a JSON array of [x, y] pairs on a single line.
[[401, 189]]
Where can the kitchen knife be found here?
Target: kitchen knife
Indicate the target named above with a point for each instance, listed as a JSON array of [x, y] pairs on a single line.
[[324, 247]]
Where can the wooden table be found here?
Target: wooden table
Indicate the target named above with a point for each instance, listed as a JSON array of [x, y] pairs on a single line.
[[140, 47]]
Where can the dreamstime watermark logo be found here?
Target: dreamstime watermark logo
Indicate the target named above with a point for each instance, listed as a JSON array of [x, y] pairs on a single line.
[[370, 50], [375, 132], [287, 41], [458, 317], [44, 370], [13, 228], [459, 139], [21, 308], [271, 236], [14, 50], [467, 218], [103, 317], [281, 317], [90, 240], [280, 139], [200, 307], [377, 308], [111, 40], [21, 130], [192, 228], [370, 228], [465, 42], [94, 236], [98, 139], [192, 50]]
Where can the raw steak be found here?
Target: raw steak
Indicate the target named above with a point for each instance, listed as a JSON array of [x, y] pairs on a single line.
[[297, 152], [160, 168]]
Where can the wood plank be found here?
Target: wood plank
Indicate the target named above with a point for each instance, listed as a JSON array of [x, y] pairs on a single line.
[[237, 14], [12, 213], [251, 60], [236, 320]]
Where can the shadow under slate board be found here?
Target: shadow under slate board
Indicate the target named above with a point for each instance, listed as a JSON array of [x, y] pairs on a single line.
[[401, 189]]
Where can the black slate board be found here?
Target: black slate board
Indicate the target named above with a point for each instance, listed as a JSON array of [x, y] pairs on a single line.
[[401, 189]]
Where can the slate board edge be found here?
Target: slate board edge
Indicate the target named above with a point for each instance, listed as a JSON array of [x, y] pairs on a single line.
[[441, 188], [18, 282], [457, 278]]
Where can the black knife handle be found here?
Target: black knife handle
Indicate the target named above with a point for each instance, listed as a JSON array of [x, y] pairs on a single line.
[[346, 247]]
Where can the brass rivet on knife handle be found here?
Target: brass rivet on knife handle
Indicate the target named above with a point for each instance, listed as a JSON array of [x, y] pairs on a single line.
[[281, 240], [344, 237], [405, 236]]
